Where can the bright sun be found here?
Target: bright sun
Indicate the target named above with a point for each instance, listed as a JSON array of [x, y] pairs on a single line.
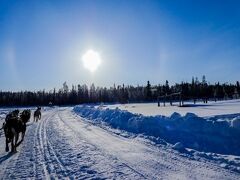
[[91, 60]]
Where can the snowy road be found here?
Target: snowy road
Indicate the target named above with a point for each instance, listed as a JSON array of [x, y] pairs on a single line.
[[63, 145]]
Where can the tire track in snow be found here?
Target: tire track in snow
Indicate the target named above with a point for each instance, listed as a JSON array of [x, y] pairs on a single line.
[[165, 168], [92, 162], [40, 165], [49, 163], [125, 162], [106, 155]]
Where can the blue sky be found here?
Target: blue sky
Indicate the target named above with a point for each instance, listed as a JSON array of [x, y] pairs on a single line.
[[42, 42]]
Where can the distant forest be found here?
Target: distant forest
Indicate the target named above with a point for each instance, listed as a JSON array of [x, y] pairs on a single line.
[[79, 94]]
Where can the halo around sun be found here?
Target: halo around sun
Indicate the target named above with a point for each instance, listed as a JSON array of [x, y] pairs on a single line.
[[91, 60]]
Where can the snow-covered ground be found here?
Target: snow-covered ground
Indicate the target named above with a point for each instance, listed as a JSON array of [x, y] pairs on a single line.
[[88, 143], [200, 109]]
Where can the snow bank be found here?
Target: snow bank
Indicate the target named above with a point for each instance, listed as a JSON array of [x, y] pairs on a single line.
[[178, 146], [209, 135], [236, 123]]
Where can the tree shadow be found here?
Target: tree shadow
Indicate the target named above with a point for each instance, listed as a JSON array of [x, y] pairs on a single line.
[[6, 157]]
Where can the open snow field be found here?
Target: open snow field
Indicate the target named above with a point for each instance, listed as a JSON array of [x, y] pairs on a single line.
[[200, 109], [95, 143]]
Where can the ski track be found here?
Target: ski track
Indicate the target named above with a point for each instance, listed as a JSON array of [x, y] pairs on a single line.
[[63, 145]]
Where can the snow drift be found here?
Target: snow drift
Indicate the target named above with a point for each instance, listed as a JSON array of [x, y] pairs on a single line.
[[209, 135]]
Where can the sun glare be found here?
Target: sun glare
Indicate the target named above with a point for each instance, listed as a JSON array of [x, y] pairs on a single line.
[[91, 60]]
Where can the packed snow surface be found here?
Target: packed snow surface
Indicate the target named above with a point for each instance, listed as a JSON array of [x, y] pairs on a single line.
[[67, 144]]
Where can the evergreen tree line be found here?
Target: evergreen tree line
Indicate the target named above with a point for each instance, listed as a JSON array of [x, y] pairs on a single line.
[[196, 90]]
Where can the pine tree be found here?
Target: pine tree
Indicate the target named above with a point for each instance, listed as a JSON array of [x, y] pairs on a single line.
[[148, 91]]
